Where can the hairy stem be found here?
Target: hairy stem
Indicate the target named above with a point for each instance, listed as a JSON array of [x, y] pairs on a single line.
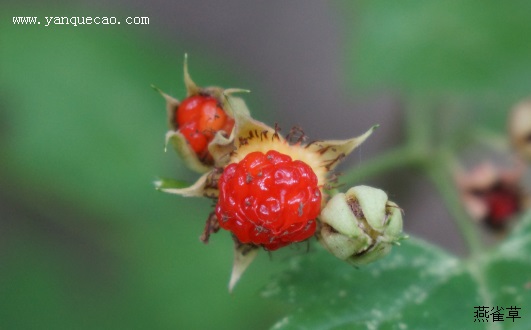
[[437, 166], [442, 178], [391, 160]]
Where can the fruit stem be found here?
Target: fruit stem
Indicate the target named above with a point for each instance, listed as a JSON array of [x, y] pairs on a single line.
[[419, 123], [441, 176], [437, 165], [437, 162], [391, 160]]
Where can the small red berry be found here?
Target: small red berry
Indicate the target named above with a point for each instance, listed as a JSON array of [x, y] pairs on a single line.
[[188, 110], [199, 117], [503, 203], [269, 200], [198, 141]]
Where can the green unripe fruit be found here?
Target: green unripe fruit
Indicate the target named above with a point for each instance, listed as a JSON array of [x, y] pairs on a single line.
[[361, 225]]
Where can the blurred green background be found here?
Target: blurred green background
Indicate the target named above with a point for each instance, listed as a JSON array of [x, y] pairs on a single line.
[[85, 240]]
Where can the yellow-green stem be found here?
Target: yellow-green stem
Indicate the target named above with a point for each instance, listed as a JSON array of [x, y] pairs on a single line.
[[441, 176], [437, 166]]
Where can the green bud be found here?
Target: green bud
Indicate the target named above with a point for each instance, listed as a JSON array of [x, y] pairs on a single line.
[[361, 225]]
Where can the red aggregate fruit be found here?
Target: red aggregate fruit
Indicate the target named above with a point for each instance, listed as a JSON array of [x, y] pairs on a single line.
[[269, 200], [199, 117]]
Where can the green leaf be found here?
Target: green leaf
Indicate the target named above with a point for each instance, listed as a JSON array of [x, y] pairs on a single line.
[[86, 241], [444, 45], [467, 49], [418, 286]]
